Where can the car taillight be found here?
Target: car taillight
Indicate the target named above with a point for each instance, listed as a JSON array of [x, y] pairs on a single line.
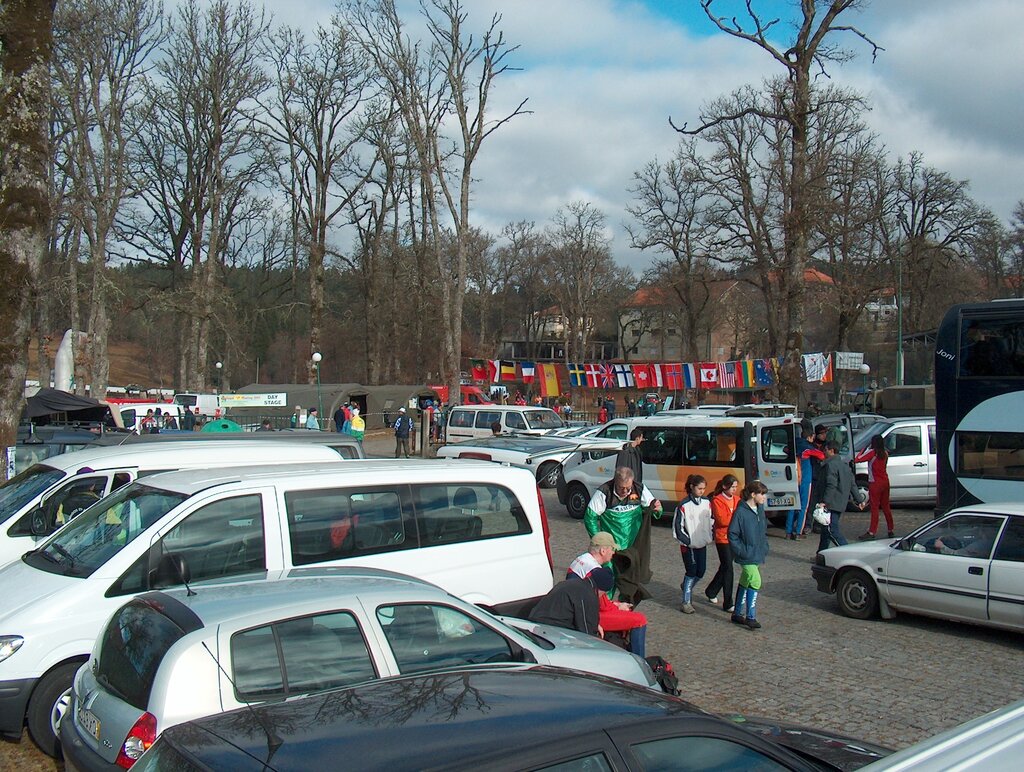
[[545, 529], [141, 736]]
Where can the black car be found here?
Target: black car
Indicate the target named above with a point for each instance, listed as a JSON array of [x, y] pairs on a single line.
[[528, 717]]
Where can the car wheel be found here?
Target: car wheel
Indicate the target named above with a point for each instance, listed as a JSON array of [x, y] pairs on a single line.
[[547, 475], [857, 594], [576, 501], [49, 703]]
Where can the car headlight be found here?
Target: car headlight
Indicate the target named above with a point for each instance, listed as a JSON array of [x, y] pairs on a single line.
[[9, 644]]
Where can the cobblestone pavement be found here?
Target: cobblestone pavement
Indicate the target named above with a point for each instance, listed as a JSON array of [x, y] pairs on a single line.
[[893, 683]]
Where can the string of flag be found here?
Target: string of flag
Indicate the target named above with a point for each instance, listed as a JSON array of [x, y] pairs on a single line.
[[553, 378]]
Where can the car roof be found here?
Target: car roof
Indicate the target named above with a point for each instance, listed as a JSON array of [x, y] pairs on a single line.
[[191, 481], [279, 435], [449, 718], [991, 508], [280, 596], [494, 406]]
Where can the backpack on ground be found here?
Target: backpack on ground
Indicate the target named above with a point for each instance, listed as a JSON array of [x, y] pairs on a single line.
[[664, 674]]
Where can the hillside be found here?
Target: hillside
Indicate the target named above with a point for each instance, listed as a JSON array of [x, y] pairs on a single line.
[[129, 363]]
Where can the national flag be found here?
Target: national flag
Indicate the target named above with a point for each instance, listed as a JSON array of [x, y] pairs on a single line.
[[642, 376], [673, 376], [816, 366], [827, 377], [657, 376], [594, 376], [708, 375], [727, 375], [763, 372], [577, 375], [745, 374], [607, 377], [508, 370], [690, 378], [528, 370], [478, 369], [624, 376], [549, 386], [493, 370]]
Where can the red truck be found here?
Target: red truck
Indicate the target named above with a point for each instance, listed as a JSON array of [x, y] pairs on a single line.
[[470, 395]]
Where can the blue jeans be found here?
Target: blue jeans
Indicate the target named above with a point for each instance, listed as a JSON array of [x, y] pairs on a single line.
[[832, 532], [638, 641], [797, 518]]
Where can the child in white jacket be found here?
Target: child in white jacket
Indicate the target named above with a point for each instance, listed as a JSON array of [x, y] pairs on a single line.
[[693, 529]]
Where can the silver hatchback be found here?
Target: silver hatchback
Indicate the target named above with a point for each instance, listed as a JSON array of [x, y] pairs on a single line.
[[169, 657]]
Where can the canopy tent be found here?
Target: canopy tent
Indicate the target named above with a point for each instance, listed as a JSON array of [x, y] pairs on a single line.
[[374, 402], [55, 406]]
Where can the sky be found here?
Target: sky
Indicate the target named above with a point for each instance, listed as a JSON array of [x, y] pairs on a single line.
[[603, 78]]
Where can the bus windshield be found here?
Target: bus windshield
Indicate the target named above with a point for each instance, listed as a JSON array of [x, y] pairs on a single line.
[[103, 530], [22, 488]]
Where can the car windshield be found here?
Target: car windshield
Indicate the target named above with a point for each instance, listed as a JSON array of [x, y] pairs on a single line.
[[543, 419], [863, 438], [21, 489], [103, 530]]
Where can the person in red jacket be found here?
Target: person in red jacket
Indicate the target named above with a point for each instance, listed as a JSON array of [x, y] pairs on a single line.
[[878, 485], [723, 504]]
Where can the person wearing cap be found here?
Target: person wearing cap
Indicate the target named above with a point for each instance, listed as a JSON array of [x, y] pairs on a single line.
[[602, 547], [312, 422], [403, 427], [573, 603]]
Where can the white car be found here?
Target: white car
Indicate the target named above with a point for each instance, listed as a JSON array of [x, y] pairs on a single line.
[[169, 657], [967, 566], [541, 455]]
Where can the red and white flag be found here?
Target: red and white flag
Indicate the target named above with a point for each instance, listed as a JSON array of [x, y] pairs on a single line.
[[708, 374]]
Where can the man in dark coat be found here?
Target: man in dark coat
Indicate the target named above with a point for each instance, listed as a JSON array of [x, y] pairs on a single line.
[[630, 456], [573, 603]]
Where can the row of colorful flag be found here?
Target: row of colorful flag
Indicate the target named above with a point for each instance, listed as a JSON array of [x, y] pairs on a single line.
[[552, 378]]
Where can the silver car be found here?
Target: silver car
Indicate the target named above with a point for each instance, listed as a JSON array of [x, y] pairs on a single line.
[[966, 566], [169, 657]]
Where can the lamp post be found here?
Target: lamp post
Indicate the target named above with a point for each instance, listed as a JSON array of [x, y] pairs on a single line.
[[902, 217], [317, 357], [865, 370], [219, 366]]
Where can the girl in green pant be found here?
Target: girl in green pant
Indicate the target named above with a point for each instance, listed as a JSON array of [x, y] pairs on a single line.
[[748, 540]]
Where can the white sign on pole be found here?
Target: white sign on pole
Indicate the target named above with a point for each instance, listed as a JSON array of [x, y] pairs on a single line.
[[11, 456], [253, 400], [849, 360]]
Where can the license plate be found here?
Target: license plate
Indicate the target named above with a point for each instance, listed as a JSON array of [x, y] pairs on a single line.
[[88, 721], [783, 501]]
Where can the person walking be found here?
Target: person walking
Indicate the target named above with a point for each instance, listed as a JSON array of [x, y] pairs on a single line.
[[748, 540], [724, 501], [403, 427], [692, 527], [838, 489], [358, 428], [878, 485]]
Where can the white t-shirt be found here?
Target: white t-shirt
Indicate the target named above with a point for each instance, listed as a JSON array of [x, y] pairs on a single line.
[[583, 565]]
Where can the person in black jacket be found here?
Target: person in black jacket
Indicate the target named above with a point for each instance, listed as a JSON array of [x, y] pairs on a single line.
[[630, 455], [573, 603]]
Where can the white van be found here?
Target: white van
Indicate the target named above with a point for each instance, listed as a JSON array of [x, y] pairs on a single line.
[[133, 414], [476, 529], [676, 446], [208, 404], [41, 499], [466, 422]]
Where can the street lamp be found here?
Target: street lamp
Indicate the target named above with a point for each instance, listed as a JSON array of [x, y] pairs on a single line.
[[219, 366], [902, 217], [317, 357], [865, 370]]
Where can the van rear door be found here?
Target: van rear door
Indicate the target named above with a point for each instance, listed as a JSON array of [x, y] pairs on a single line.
[[774, 444]]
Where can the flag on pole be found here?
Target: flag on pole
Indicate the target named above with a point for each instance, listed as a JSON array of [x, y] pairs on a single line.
[[673, 376], [549, 386], [624, 376], [577, 375], [593, 376], [529, 371], [708, 375], [641, 376], [508, 370], [727, 375], [763, 372], [478, 369], [690, 378]]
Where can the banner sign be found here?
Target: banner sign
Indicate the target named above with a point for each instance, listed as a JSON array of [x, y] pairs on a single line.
[[254, 400], [849, 360]]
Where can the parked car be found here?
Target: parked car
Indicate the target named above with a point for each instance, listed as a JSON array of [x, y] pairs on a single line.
[[912, 465], [313, 630], [476, 529], [38, 443], [966, 566], [526, 717], [990, 743], [541, 455], [467, 422]]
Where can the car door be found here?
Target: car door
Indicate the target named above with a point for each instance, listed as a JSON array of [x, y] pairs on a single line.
[[1006, 577], [932, 461], [776, 463], [908, 464], [943, 570]]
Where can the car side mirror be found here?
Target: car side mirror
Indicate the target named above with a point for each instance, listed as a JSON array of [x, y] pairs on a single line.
[[38, 522], [171, 571]]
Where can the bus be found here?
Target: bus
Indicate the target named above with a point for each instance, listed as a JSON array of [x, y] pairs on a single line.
[[979, 396]]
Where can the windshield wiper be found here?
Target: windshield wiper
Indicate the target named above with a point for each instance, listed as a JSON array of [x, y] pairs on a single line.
[[64, 553]]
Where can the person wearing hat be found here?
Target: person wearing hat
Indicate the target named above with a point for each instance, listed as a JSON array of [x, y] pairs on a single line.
[[403, 427], [573, 603], [602, 547], [312, 422]]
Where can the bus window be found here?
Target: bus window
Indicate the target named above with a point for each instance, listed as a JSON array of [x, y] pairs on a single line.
[[711, 447], [992, 347], [662, 446], [776, 444], [993, 455]]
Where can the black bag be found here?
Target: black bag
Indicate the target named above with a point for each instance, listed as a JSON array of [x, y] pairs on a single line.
[[665, 675]]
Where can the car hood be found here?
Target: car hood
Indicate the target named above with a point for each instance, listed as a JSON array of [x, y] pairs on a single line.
[[863, 552], [819, 745], [27, 589]]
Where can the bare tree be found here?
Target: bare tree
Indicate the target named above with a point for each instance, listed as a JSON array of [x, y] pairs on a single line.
[[316, 117], [26, 29], [1016, 251], [103, 51], [812, 47]]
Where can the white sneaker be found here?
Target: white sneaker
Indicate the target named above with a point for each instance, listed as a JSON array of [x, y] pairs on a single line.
[[713, 600]]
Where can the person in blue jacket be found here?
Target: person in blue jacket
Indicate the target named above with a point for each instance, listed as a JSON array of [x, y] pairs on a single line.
[[748, 540]]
